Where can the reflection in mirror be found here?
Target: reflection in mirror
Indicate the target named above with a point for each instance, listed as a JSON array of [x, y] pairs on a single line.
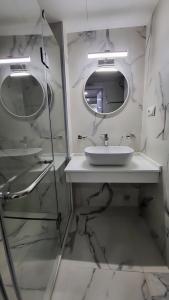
[[106, 91], [22, 96]]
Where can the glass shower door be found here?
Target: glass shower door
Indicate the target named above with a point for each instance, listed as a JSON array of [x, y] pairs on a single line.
[[33, 234], [8, 284], [3, 294], [27, 175], [53, 45]]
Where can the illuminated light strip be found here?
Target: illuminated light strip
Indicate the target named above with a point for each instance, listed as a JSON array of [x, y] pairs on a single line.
[[19, 74], [108, 54], [107, 69], [15, 60]]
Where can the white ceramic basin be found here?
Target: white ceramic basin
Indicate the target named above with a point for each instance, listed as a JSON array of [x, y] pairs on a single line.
[[109, 155]]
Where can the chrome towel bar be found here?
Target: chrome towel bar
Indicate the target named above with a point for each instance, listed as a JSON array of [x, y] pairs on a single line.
[[29, 189]]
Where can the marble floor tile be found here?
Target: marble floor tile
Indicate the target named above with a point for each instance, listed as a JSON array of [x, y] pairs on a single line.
[[10, 292], [158, 285], [26, 294], [75, 282], [32, 294], [34, 247], [116, 239]]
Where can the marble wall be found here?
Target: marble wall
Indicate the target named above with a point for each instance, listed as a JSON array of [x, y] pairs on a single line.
[[35, 132], [155, 130], [84, 122], [54, 78], [13, 132], [99, 195]]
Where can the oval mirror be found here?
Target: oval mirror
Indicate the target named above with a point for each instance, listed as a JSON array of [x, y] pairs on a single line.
[[106, 91], [22, 97]]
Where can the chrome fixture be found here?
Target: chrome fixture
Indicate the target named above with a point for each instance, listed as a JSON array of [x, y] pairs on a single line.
[[30, 188], [106, 139]]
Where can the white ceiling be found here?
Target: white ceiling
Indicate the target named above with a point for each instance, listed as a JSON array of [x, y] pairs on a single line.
[[101, 13], [17, 11]]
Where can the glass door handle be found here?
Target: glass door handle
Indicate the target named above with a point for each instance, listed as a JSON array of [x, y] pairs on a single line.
[[29, 189]]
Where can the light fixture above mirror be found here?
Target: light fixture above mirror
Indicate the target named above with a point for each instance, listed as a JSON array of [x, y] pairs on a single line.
[[20, 74], [108, 54], [14, 60], [106, 68]]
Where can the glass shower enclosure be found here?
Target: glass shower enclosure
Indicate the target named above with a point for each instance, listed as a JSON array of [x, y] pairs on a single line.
[[35, 200]]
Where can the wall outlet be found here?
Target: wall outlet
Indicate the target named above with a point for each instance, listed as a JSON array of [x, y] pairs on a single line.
[[151, 111]]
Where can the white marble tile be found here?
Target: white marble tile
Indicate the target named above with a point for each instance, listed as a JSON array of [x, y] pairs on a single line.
[[155, 130], [75, 282], [32, 294], [95, 194], [96, 237], [158, 284]]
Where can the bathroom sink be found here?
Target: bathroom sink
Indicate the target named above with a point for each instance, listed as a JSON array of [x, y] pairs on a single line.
[[108, 155]]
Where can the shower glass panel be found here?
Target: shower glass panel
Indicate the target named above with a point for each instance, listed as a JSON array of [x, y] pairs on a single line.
[[35, 199], [53, 40], [6, 282]]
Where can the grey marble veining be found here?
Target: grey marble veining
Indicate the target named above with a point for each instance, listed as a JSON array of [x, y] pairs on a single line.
[[76, 281], [97, 195], [96, 238], [110, 254], [158, 284]]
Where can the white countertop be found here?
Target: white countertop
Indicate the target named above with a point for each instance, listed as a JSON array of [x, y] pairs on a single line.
[[59, 159], [141, 169]]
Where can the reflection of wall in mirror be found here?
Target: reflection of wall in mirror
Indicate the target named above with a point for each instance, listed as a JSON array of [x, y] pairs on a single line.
[[12, 130]]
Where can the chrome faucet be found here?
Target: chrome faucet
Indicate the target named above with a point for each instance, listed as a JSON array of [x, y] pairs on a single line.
[[106, 139]]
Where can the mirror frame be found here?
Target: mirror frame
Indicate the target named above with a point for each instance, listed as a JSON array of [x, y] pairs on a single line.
[[113, 113], [24, 118]]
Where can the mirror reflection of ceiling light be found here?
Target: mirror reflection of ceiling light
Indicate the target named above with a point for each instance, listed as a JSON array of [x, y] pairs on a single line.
[[107, 69], [86, 93], [19, 74], [14, 60], [108, 55]]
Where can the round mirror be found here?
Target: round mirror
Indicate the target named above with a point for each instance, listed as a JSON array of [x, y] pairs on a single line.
[[106, 91], [22, 96]]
